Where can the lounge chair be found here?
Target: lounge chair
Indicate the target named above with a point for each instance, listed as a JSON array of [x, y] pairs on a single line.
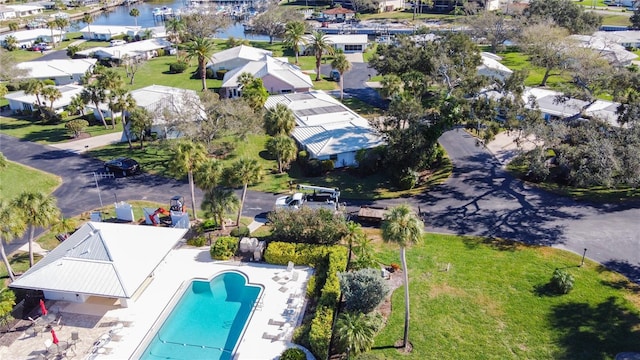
[[272, 337], [276, 322]]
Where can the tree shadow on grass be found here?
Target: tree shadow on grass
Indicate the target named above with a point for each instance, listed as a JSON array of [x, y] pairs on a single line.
[[595, 332]]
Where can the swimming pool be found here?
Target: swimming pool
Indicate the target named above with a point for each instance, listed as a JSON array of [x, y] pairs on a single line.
[[207, 321]]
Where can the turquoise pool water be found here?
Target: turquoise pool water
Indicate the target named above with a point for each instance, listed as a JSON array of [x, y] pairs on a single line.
[[207, 321]]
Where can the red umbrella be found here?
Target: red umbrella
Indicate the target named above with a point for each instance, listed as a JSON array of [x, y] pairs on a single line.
[[43, 309], [55, 338]]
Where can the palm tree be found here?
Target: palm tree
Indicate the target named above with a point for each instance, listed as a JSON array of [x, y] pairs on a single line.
[[52, 25], [244, 172], [135, 13], [320, 45], [342, 64], [88, 19], [284, 148], [219, 201], [35, 87], [10, 42], [12, 226], [174, 27], [65, 226], [188, 156], [37, 209], [392, 86], [95, 94], [112, 84], [13, 26], [294, 36], [76, 106], [402, 227], [355, 333], [62, 23], [51, 94], [201, 48], [209, 174], [124, 103], [354, 233], [279, 120]]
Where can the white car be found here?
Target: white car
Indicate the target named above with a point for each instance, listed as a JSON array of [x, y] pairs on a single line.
[[117, 42]]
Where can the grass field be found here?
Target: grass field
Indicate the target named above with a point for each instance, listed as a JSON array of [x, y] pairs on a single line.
[[494, 303], [614, 19], [16, 178], [516, 60], [44, 133]]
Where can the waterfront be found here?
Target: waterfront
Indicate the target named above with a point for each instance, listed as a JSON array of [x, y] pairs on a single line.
[[120, 16]]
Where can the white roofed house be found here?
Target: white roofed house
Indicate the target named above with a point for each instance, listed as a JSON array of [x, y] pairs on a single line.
[[101, 260], [106, 32], [350, 43], [27, 10], [615, 53], [19, 101], [145, 49], [327, 129], [492, 68], [278, 77], [236, 57], [63, 71], [7, 13], [26, 38]]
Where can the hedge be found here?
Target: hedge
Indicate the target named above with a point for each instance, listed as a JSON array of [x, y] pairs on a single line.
[[280, 253], [320, 332], [224, 248]]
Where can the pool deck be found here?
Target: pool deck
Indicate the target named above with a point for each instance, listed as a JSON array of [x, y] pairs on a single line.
[[282, 301]]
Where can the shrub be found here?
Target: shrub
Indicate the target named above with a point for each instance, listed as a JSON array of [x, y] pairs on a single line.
[[313, 226], [161, 52], [293, 354], [197, 241], [407, 179], [210, 74], [224, 248], [178, 67], [362, 290], [241, 231], [220, 74], [327, 165], [64, 114], [313, 167], [562, 281], [49, 82], [76, 126], [320, 332], [209, 224]]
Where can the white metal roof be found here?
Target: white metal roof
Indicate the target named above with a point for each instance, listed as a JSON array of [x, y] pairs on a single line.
[[611, 50], [57, 67], [131, 49], [325, 126], [158, 98], [110, 29], [102, 259], [32, 34], [242, 52], [22, 8], [349, 39], [268, 65], [67, 91]]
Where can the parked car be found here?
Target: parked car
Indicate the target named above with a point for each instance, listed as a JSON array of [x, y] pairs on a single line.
[[124, 166], [41, 47], [117, 42]]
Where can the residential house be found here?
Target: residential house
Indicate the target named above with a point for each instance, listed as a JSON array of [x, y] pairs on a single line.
[[19, 101], [236, 57], [26, 10], [154, 31], [61, 71], [492, 68], [327, 129], [26, 38], [349, 43], [106, 32], [145, 49], [628, 39], [615, 53], [101, 261], [278, 77], [7, 13], [338, 14]]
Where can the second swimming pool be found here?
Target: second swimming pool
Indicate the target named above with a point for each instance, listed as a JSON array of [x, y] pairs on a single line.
[[207, 321]]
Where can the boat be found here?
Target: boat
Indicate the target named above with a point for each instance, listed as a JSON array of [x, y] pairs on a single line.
[[163, 11]]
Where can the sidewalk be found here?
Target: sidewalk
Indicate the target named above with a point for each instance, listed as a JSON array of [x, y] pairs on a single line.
[[505, 148], [82, 145]]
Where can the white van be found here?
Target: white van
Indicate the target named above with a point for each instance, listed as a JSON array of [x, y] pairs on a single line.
[[117, 42]]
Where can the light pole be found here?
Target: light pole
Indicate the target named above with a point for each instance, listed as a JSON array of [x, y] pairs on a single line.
[[583, 255], [95, 178]]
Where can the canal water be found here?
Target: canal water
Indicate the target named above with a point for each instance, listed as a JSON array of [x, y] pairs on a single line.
[[120, 16]]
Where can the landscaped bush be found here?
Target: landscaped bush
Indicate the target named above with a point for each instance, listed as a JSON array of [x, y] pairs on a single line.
[[313, 226], [320, 332], [327, 165], [313, 167], [210, 74], [407, 179], [197, 241], [241, 231], [209, 224], [362, 290], [178, 67], [161, 52], [293, 354], [76, 126], [562, 281], [224, 248]]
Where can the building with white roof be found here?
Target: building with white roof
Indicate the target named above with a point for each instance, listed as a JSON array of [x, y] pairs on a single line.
[[615, 53], [7, 13], [492, 68], [102, 260], [26, 38], [628, 39], [553, 106], [62, 71], [26, 10], [145, 49], [348, 43], [327, 129], [236, 57], [106, 32], [19, 101], [278, 77]]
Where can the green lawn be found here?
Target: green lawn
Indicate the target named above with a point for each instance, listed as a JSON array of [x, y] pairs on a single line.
[[406, 15], [516, 60], [613, 19], [44, 133], [16, 178], [590, 3], [493, 304]]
